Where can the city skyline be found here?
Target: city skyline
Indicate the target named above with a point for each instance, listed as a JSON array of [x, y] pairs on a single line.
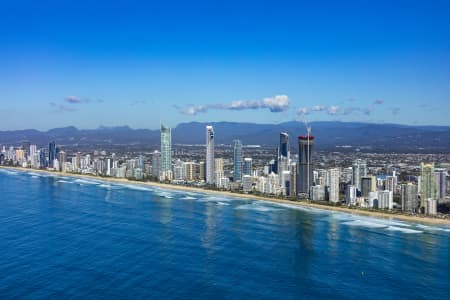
[[88, 65]]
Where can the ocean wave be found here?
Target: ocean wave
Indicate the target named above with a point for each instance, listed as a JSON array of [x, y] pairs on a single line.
[[135, 187], [9, 172], [432, 228], [64, 181], [84, 181], [402, 229], [257, 207], [362, 223], [189, 198]]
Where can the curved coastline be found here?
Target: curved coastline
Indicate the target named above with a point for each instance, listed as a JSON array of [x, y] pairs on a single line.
[[342, 209]]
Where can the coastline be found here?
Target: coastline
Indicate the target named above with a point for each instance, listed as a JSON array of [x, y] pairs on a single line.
[[343, 209]]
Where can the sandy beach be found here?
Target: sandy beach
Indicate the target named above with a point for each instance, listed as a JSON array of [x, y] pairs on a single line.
[[344, 209]]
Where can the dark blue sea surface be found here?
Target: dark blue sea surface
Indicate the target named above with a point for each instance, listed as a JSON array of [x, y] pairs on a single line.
[[63, 237]]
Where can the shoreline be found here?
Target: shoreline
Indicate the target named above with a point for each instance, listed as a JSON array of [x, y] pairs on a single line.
[[342, 209]]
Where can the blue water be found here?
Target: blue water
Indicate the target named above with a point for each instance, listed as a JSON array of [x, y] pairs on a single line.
[[62, 237]]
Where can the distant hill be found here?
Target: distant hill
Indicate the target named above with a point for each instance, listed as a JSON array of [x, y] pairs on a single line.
[[329, 135]]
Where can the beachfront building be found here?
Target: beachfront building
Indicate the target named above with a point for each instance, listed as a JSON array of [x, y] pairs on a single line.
[[237, 161], [156, 163], [427, 186], [359, 170], [166, 154], [210, 174], [332, 185], [305, 165], [409, 193], [248, 166]]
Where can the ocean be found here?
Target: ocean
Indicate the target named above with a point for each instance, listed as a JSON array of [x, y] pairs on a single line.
[[65, 237]]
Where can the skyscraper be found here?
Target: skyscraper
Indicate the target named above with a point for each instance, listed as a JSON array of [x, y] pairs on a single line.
[[237, 160], [210, 155], [218, 170], [51, 154], [166, 153], [156, 163], [427, 185], [283, 153], [368, 184], [248, 166], [409, 197], [359, 170], [333, 185], [441, 183], [305, 166]]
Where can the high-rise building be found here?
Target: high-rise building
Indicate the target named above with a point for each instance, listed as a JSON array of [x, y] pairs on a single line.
[[359, 170], [51, 154], [385, 199], [237, 170], [350, 195], [202, 171], [210, 155], [247, 183], [283, 153], [391, 183], [293, 191], [218, 169], [42, 159], [441, 183], [333, 185], [189, 170], [368, 184], [409, 197], [166, 154], [305, 165], [427, 184], [62, 157], [248, 166], [156, 163]]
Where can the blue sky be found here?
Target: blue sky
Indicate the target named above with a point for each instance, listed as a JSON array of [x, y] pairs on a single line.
[[141, 63]]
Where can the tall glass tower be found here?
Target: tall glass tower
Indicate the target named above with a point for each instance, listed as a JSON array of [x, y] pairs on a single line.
[[305, 166], [210, 155], [166, 153], [359, 169], [283, 153], [51, 154], [237, 174], [248, 166]]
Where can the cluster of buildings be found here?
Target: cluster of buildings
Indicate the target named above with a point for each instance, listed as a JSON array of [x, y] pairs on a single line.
[[287, 175]]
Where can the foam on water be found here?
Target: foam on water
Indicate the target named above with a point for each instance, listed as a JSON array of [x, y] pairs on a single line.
[[257, 207], [64, 181], [215, 199], [223, 203], [135, 187], [84, 181], [432, 228], [9, 172], [189, 198], [298, 207], [165, 195], [404, 230], [363, 223]]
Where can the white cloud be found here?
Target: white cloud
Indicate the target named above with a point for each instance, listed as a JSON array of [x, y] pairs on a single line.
[[276, 103], [333, 109]]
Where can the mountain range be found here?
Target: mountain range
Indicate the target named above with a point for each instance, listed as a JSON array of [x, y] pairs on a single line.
[[329, 136]]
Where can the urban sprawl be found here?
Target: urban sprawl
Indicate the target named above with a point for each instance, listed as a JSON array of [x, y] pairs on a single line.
[[286, 175]]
